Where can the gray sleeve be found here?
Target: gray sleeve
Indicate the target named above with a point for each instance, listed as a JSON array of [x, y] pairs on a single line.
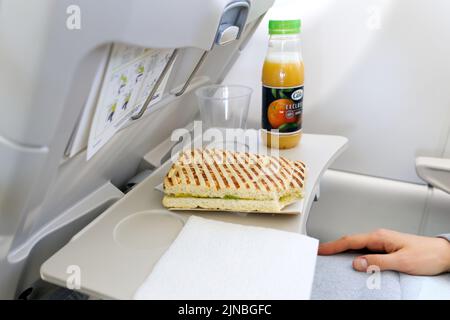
[[445, 236]]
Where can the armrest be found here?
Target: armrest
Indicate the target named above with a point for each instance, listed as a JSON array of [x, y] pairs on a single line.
[[434, 171]]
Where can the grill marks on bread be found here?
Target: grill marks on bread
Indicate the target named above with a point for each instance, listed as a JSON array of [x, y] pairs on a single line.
[[220, 173]]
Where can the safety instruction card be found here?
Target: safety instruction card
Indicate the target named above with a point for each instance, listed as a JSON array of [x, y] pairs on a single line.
[[130, 75]]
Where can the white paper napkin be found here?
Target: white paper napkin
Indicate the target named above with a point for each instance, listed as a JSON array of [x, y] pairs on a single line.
[[217, 260]]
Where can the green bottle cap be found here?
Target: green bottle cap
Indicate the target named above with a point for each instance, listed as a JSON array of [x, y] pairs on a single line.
[[285, 26]]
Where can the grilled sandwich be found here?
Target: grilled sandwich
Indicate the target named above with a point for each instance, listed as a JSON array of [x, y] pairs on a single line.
[[212, 179]]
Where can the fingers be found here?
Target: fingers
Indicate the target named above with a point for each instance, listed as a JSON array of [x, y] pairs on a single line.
[[378, 240], [401, 250], [389, 261], [354, 242]]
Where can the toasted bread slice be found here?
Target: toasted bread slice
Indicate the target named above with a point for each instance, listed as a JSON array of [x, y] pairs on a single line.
[[220, 174], [186, 203]]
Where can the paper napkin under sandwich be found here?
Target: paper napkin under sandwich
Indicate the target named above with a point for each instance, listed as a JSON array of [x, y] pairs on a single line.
[[217, 260]]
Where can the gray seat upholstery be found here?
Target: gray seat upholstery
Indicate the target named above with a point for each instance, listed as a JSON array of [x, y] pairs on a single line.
[[336, 279]]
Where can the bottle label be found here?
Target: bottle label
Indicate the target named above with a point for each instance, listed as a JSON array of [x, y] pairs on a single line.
[[282, 109]]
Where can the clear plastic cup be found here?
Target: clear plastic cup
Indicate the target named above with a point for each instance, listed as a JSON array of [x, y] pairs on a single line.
[[224, 106]]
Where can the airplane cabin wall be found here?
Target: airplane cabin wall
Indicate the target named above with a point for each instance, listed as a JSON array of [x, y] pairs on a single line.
[[377, 72]]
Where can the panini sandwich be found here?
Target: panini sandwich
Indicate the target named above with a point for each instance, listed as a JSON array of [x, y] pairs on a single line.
[[212, 179]]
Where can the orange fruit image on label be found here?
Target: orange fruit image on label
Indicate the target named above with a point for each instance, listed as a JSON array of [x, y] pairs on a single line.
[[281, 111]]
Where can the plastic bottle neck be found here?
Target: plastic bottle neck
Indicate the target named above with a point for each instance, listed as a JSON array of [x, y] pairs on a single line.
[[295, 36], [285, 47]]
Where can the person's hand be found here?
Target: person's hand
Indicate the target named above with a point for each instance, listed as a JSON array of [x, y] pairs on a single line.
[[397, 251]]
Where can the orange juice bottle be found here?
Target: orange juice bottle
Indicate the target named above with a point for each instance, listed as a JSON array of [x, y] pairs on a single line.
[[282, 85]]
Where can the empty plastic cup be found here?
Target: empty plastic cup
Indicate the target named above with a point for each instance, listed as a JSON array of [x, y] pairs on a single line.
[[224, 106]]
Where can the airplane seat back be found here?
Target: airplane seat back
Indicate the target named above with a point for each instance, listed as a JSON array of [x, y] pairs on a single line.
[[48, 69]]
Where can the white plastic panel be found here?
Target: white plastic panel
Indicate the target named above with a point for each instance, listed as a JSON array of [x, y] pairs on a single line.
[[447, 148], [377, 72], [37, 84], [351, 203], [435, 172], [21, 167], [437, 214]]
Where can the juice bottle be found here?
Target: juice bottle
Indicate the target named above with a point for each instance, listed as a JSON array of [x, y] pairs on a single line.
[[282, 80]]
